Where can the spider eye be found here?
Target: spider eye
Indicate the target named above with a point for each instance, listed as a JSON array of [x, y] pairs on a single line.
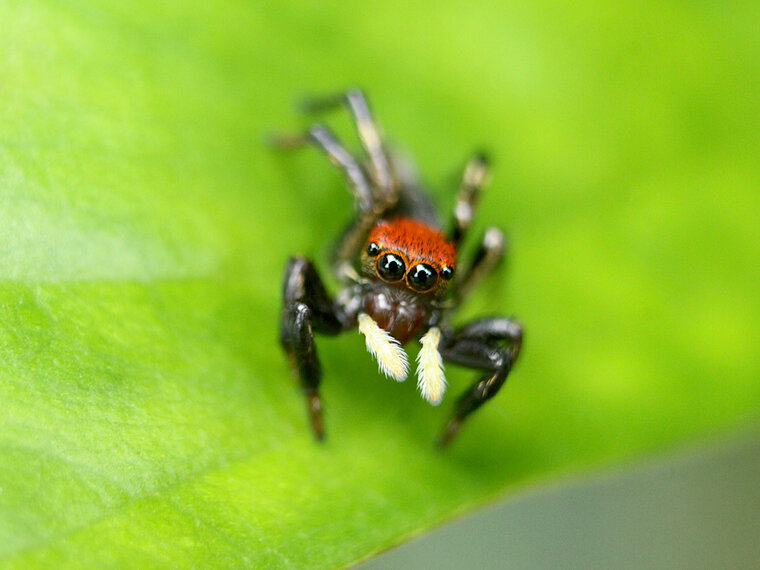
[[447, 273], [373, 249], [391, 267], [422, 277]]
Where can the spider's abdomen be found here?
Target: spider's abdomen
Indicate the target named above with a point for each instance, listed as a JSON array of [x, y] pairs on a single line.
[[395, 311]]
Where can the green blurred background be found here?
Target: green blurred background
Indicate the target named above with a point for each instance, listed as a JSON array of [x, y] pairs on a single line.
[[148, 415]]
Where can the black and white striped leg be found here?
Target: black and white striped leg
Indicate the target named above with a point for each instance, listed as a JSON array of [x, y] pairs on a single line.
[[307, 308], [350, 243], [475, 176], [491, 345], [323, 139], [488, 255], [355, 101]]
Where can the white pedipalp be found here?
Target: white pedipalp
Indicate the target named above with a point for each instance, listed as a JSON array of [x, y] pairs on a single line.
[[431, 380], [390, 356]]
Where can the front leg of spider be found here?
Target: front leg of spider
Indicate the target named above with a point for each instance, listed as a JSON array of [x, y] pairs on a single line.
[[491, 345], [307, 308]]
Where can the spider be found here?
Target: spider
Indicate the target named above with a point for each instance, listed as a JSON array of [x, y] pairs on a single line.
[[400, 274]]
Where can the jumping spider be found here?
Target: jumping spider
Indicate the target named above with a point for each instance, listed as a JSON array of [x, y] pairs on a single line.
[[409, 281]]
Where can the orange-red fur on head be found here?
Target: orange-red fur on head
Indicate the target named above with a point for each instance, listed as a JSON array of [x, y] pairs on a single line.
[[415, 242]]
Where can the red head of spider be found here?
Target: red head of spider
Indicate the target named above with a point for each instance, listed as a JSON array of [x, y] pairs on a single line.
[[409, 254]]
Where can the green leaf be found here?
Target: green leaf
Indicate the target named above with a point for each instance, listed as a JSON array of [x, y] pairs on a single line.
[[148, 416]]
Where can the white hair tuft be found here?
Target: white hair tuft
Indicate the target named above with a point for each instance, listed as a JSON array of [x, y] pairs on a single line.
[[390, 356], [430, 377]]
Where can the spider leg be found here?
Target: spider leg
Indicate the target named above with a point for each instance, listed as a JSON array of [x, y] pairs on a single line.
[[307, 308], [351, 241], [475, 176], [488, 255], [321, 137], [385, 193], [491, 345], [355, 101], [373, 202]]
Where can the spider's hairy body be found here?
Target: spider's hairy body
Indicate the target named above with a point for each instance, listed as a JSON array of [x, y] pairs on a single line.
[[401, 277]]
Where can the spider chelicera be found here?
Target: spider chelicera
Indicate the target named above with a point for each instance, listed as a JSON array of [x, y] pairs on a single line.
[[400, 274]]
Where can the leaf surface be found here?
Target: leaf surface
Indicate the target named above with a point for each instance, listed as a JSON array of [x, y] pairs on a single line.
[[148, 416]]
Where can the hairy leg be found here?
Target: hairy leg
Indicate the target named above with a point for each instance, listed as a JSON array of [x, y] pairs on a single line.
[[307, 308], [488, 255], [321, 137], [475, 176], [356, 102], [491, 345]]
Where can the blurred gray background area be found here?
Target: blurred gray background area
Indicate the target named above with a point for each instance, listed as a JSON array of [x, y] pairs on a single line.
[[693, 509]]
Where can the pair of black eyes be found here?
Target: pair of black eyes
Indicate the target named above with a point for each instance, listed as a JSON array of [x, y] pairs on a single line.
[[391, 268]]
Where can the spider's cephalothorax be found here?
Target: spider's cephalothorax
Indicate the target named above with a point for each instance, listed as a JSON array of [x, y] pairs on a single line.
[[408, 281], [411, 265]]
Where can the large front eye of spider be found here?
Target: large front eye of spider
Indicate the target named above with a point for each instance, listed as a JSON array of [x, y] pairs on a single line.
[[391, 267], [422, 277]]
